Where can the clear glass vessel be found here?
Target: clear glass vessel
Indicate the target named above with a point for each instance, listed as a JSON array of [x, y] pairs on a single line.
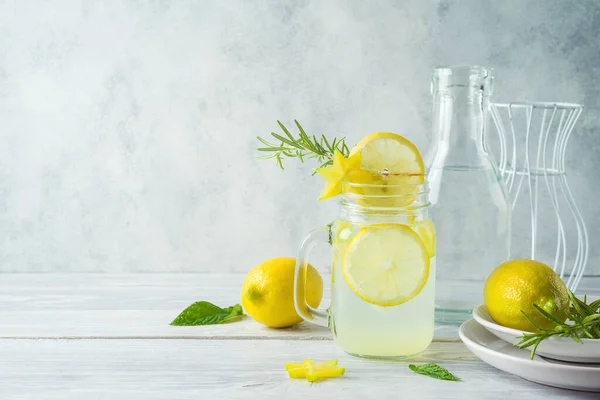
[[533, 138], [469, 202], [383, 272]]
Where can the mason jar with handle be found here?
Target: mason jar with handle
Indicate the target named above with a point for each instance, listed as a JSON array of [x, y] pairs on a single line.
[[383, 274]]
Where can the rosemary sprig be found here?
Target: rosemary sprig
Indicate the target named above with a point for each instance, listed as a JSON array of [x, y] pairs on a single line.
[[584, 323], [301, 147]]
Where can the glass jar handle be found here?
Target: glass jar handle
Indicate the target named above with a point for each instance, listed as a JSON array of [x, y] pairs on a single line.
[[308, 313]]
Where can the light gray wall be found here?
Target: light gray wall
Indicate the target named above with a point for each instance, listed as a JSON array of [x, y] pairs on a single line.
[[128, 127]]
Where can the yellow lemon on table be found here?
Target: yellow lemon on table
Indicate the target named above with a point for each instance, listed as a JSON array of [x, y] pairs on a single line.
[[518, 284], [268, 292]]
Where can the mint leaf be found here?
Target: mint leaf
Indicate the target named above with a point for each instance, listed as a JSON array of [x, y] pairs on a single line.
[[206, 313], [433, 371], [235, 313]]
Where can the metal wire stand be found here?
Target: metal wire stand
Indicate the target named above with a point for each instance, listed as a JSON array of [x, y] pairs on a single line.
[[533, 141]]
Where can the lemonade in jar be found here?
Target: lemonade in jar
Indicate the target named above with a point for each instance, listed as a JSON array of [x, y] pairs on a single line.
[[383, 245]]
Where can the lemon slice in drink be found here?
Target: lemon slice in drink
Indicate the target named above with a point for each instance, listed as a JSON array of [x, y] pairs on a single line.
[[386, 264], [426, 231]]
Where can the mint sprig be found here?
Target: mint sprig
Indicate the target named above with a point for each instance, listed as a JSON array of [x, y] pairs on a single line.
[[433, 371], [206, 313]]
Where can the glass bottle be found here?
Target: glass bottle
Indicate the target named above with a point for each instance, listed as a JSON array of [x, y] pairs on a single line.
[[469, 202]]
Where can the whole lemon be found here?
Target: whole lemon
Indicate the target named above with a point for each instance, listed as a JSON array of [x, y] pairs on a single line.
[[518, 284], [268, 292]]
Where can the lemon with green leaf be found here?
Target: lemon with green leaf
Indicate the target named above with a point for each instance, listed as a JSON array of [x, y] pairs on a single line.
[[512, 289]]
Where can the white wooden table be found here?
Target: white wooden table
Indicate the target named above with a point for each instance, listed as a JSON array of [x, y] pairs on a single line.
[[99, 336]]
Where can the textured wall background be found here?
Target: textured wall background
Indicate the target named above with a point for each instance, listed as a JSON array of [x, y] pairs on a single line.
[[128, 127]]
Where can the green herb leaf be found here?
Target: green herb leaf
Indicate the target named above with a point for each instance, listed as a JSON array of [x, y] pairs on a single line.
[[548, 315], [205, 313], [580, 307], [330, 233], [302, 146], [595, 305], [584, 323], [235, 314], [433, 371]]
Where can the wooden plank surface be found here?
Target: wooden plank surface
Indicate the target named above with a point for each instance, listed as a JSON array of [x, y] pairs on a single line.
[[239, 369], [150, 291], [132, 306], [132, 324], [97, 336]]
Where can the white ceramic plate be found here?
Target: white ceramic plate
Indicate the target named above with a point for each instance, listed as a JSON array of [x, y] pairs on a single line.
[[564, 349], [506, 357]]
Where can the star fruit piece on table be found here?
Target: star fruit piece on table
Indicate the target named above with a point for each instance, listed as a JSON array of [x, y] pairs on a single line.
[[314, 372]]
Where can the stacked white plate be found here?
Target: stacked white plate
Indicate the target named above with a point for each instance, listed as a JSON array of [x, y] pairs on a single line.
[[559, 362]]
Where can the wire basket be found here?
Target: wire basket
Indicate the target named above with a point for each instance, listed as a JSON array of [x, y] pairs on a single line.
[[533, 138]]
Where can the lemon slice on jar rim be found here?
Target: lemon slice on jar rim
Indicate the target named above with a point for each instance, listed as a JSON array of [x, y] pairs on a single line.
[[391, 155], [392, 163]]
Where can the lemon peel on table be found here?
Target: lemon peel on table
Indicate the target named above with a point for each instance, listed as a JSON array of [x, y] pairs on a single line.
[[312, 371]]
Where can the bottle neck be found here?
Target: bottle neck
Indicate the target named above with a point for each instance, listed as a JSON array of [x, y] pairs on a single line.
[[460, 116]]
